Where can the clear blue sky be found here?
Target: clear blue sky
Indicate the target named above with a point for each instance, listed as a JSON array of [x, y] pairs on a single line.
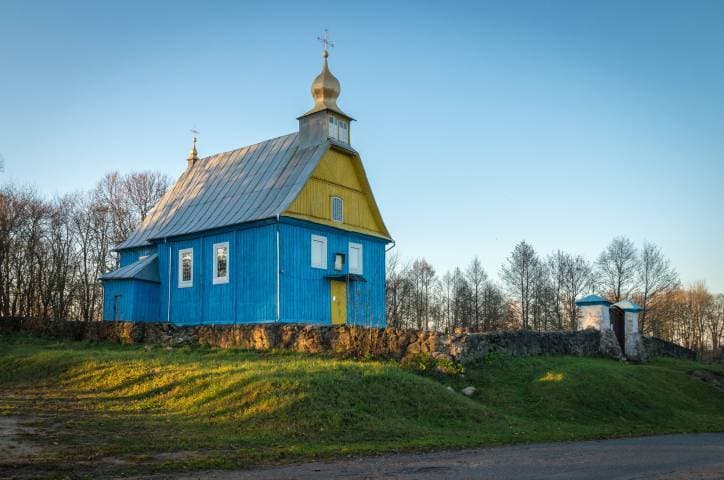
[[480, 124]]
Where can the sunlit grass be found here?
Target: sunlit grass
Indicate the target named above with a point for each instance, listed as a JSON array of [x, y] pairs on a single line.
[[231, 408], [551, 377]]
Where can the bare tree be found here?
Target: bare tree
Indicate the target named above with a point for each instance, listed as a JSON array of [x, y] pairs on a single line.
[[655, 277], [557, 268], [578, 279], [110, 197], [495, 308], [448, 296], [423, 276], [617, 267], [143, 191], [476, 278], [52, 252], [700, 303], [396, 288], [461, 300], [518, 274]]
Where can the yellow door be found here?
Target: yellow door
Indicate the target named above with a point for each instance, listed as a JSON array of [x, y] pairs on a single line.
[[339, 302]]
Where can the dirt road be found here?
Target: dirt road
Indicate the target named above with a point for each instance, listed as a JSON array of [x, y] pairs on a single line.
[[691, 456]]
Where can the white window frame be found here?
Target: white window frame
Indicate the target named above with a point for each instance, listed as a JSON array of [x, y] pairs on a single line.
[[322, 264], [333, 127], [344, 131], [215, 256], [341, 208], [360, 248], [181, 282], [339, 267], [338, 129]]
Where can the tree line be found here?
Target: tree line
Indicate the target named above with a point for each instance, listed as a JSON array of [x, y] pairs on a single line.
[[52, 251], [539, 293]]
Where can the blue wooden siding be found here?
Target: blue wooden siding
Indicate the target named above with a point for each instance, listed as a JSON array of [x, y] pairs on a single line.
[[121, 289], [248, 297], [126, 257], [256, 278], [305, 292], [137, 300]]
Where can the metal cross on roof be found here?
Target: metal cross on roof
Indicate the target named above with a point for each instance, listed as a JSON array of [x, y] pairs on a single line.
[[324, 40]]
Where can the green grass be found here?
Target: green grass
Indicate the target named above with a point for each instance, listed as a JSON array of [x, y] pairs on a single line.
[[231, 408]]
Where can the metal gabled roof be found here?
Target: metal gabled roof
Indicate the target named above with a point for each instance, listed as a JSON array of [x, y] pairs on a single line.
[[143, 269], [628, 306], [252, 183], [592, 300]]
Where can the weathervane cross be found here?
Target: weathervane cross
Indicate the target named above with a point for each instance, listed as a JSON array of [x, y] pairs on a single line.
[[324, 40]]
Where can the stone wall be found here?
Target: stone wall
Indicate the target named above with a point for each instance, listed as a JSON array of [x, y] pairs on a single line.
[[656, 347], [343, 340]]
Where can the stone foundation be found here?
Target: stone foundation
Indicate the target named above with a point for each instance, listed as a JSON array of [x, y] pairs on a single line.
[[349, 340]]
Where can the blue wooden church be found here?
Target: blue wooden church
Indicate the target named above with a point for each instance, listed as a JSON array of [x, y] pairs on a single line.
[[286, 230]]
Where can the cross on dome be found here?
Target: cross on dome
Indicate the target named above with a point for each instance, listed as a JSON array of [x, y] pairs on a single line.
[[324, 40]]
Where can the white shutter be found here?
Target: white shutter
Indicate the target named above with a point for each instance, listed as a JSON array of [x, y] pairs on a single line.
[[319, 252], [355, 258]]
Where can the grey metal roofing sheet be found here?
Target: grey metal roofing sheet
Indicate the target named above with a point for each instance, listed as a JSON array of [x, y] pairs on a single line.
[[628, 306], [143, 269], [591, 300], [251, 183]]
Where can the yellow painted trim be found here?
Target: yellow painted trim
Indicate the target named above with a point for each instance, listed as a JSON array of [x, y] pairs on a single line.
[[340, 173], [338, 301], [332, 223]]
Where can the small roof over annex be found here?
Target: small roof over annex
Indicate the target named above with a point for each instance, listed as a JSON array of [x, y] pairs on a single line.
[[145, 269]]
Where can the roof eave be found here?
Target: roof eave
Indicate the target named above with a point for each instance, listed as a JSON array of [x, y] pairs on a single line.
[[326, 108]]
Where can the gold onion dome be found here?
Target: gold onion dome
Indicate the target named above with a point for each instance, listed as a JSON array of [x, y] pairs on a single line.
[[193, 154], [325, 90]]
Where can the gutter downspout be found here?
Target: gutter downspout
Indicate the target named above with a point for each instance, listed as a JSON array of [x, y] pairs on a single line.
[[278, 275], [168, 302], [393, 246]]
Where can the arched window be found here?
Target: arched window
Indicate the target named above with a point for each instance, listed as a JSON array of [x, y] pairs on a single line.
[[337, 209]]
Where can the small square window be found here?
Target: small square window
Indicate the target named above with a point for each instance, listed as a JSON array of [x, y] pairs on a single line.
[[221, 263], [186, 268], [337, 209], [339, 262]]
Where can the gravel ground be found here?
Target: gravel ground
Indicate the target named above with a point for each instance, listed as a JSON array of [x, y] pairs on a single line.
[[668, 457]]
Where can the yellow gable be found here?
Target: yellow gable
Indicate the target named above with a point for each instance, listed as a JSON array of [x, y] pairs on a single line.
[[339, 174]]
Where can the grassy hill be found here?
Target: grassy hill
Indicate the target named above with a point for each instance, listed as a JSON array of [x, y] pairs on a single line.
[[103, 404]]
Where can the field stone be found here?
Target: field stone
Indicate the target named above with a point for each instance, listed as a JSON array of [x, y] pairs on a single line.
[[349, 340], [468, 391]]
